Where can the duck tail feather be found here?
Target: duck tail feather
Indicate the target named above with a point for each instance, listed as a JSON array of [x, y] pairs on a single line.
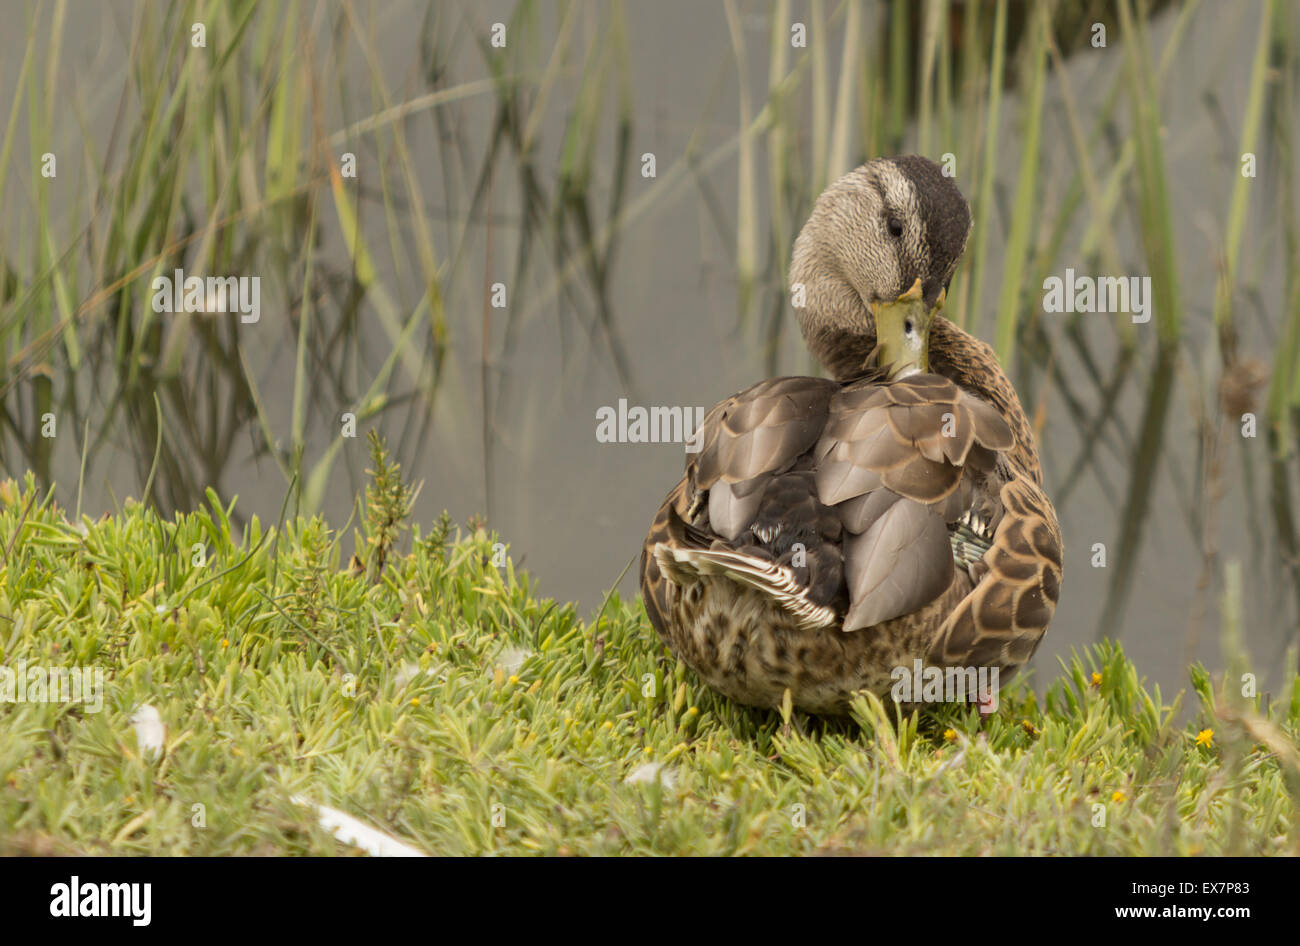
[[686, 566]]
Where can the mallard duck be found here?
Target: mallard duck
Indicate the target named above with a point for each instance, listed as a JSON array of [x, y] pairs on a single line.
[[828, 531]]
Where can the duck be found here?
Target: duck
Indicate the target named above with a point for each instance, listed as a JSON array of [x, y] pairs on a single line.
[[830, 532]]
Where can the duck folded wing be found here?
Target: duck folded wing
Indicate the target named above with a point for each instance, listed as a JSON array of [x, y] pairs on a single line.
[[760, 431], [862, 479], [1001, 622], [738, 496], [900, 462]]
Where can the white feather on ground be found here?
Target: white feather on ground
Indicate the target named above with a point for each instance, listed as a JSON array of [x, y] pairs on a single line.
[[650, 772], [357, 833], [150, 733], [512, 658]]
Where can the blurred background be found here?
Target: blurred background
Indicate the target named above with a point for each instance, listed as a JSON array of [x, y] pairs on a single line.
[[634, 175]]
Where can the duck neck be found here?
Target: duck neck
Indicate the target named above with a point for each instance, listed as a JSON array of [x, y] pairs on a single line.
[[837, 328]]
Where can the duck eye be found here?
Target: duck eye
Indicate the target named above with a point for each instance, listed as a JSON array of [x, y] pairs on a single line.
[[907, 326], [895, 228]]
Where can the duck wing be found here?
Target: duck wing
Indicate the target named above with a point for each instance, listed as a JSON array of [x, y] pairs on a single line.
[[1003, 619], [902, 462], [746, 506], [836, 500]]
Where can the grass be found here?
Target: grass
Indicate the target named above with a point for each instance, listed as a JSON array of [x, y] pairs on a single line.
[[434, 694], [228, 160]]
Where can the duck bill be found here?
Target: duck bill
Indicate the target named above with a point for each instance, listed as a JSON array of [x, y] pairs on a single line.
[[903, 332]]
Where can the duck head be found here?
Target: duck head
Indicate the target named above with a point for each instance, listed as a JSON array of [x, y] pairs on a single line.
[[879, 248]]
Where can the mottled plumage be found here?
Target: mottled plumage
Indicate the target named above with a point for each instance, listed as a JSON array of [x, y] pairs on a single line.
[[828, 531]]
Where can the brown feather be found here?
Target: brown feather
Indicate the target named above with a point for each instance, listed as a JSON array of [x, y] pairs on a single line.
[[901, 562]]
